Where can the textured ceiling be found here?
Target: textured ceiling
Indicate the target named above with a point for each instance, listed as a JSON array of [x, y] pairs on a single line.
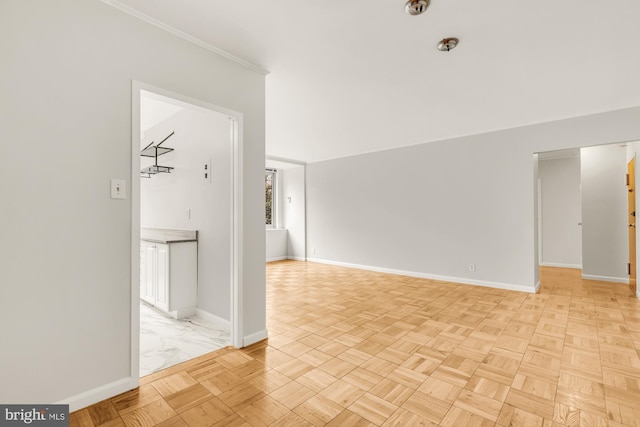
[[347, 77]]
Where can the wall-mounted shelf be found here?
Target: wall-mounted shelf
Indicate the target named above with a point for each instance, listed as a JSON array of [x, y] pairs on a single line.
[[154, 151], [154, 169]]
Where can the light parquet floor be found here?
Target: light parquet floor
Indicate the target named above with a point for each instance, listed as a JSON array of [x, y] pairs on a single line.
[[357, 348]]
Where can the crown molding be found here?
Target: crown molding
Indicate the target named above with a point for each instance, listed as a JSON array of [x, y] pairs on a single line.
[[188, 37]]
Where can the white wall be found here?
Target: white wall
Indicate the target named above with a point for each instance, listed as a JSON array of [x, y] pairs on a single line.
[[561, 212], [199, 137], [605, 247], [288, 241], [433, 209], [536, 224], [293, 207], [276, 244], [65, 259]]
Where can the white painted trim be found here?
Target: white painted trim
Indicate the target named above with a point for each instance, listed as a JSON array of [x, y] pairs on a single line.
[[306, 215], [560, 265], [278, 258], [285, 160], [559, 156], [606, 278], [188, 37], [213, 320], [537, 287], [237, 213], [235, 266], [134, 366], [182, 313], [254, 338], [459, 280], [98, 394], [539, 212], [297, 258]]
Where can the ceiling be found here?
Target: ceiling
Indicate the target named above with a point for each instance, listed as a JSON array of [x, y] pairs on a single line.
[[153, 110], [348, 77]]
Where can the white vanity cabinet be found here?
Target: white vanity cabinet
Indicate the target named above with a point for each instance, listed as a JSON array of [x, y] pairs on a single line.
[[169, 276]]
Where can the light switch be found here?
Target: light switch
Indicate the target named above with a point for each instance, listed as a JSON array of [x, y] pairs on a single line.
[[118, 189]]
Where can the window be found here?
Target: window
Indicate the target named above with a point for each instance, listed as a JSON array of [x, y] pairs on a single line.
[[270, 197]]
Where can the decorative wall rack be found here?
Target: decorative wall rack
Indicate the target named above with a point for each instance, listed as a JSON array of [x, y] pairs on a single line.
[[155, 151]]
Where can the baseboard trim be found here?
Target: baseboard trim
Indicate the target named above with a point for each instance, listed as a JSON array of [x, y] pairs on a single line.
[[624, 280], [278, 258], [182, 312], [452, 279], [283, 258], [98, 394], [560, 265], [537, 287], [254, 338], [213, 320]]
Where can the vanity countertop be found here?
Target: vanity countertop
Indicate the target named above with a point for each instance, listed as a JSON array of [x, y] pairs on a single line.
[[168, 235]]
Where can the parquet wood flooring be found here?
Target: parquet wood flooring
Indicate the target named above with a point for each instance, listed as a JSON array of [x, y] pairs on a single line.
[[357, 348]]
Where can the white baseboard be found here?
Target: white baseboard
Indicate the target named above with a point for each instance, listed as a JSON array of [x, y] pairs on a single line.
[[537, 286], [278, 258], [606, 278], [213, 320], [98, 394], [560, 265], [460, 280], [282, 258], [182, 312], [254, 338]]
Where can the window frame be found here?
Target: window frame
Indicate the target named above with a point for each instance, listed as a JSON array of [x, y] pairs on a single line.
[[274, 197]]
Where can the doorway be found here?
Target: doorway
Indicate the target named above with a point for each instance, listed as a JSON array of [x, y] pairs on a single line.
[[213, 174], [583, 225]]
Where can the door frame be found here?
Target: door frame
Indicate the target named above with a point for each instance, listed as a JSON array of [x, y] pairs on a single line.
[[631, 210], [235, 245]]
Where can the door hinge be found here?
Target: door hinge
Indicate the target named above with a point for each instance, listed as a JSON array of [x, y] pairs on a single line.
[[627, 180], [628, 269]]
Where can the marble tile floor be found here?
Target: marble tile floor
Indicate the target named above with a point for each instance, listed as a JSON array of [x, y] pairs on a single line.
[[165, 341]]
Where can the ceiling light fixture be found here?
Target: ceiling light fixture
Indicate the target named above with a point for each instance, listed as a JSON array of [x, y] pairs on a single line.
[[416, 7], [447, 44]]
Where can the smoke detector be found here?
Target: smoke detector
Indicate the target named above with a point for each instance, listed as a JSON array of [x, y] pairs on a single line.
[[416, 7], [447, 44]]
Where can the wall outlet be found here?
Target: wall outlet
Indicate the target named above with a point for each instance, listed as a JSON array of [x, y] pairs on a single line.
[[188, 213], [472, 267]]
